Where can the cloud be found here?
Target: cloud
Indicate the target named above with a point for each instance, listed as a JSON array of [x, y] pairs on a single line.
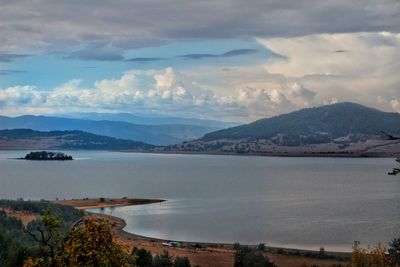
[[309, 71], [232, 53], [144, 59], [167, 92], [45, 25], [365, 68], [6, 57], [97, 52], [4, 72]]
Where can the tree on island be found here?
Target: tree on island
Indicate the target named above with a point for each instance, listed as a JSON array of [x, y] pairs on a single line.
[[44, 155]]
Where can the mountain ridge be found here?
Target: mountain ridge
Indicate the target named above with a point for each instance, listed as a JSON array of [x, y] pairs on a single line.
[[70, 140], [153, 134], [336, 119], [346, 128], [147, 120]]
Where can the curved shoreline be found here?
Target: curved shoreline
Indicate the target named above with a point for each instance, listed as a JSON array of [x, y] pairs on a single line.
[[119, 225], [199, 253]]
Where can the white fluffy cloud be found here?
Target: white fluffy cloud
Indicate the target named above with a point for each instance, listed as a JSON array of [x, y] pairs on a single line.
[[356, 67], [166, 92], [312, 70]]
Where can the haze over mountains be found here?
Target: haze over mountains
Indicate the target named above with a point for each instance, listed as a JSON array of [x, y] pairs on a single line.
[[118, 126]]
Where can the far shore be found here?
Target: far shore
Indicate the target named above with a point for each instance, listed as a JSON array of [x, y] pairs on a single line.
[[202, 253], [300, 154], [274, 154]]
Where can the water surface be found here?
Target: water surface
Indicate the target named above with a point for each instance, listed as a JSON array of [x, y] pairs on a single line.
[[296, 202]]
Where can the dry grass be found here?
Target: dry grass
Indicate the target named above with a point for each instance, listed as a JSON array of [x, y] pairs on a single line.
[[24, 216]]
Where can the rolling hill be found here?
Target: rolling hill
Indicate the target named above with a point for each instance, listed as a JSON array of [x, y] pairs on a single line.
[[152, 134], [342, 127], [30, 139]]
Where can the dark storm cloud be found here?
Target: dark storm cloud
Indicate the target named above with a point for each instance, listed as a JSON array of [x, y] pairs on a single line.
[[232, 53], [60, 25]]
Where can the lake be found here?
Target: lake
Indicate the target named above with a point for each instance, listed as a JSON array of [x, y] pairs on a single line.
[[290, 202]]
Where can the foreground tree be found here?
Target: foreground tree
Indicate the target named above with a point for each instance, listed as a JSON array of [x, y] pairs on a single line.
[[48, 237], [90, 243]]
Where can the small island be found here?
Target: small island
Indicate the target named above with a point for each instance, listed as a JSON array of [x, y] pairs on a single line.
[[44, 155]]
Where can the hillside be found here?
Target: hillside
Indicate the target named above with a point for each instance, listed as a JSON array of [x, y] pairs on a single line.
[[152, 134], [343, 127], [30, 139]]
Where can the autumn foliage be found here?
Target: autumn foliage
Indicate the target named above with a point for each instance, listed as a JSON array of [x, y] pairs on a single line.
[[91, 243]]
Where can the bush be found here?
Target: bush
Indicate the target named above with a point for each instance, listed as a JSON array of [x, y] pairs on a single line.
[[163, 260], [246, 257], [181, 262], [143, 258]]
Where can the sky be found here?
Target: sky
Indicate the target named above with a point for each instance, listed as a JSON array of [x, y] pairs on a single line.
[[229, 60]]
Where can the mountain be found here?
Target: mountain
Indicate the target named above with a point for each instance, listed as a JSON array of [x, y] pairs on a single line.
[[152, 134], [343, 127], [30, 139], [148, 120]]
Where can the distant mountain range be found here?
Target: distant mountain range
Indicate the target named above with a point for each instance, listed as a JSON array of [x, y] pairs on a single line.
[[69, 140], [149, 120], [338, 128], [163, 134]]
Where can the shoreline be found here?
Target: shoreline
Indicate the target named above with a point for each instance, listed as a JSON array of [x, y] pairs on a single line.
[[119, 224], [199, 253], [278, 155]]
